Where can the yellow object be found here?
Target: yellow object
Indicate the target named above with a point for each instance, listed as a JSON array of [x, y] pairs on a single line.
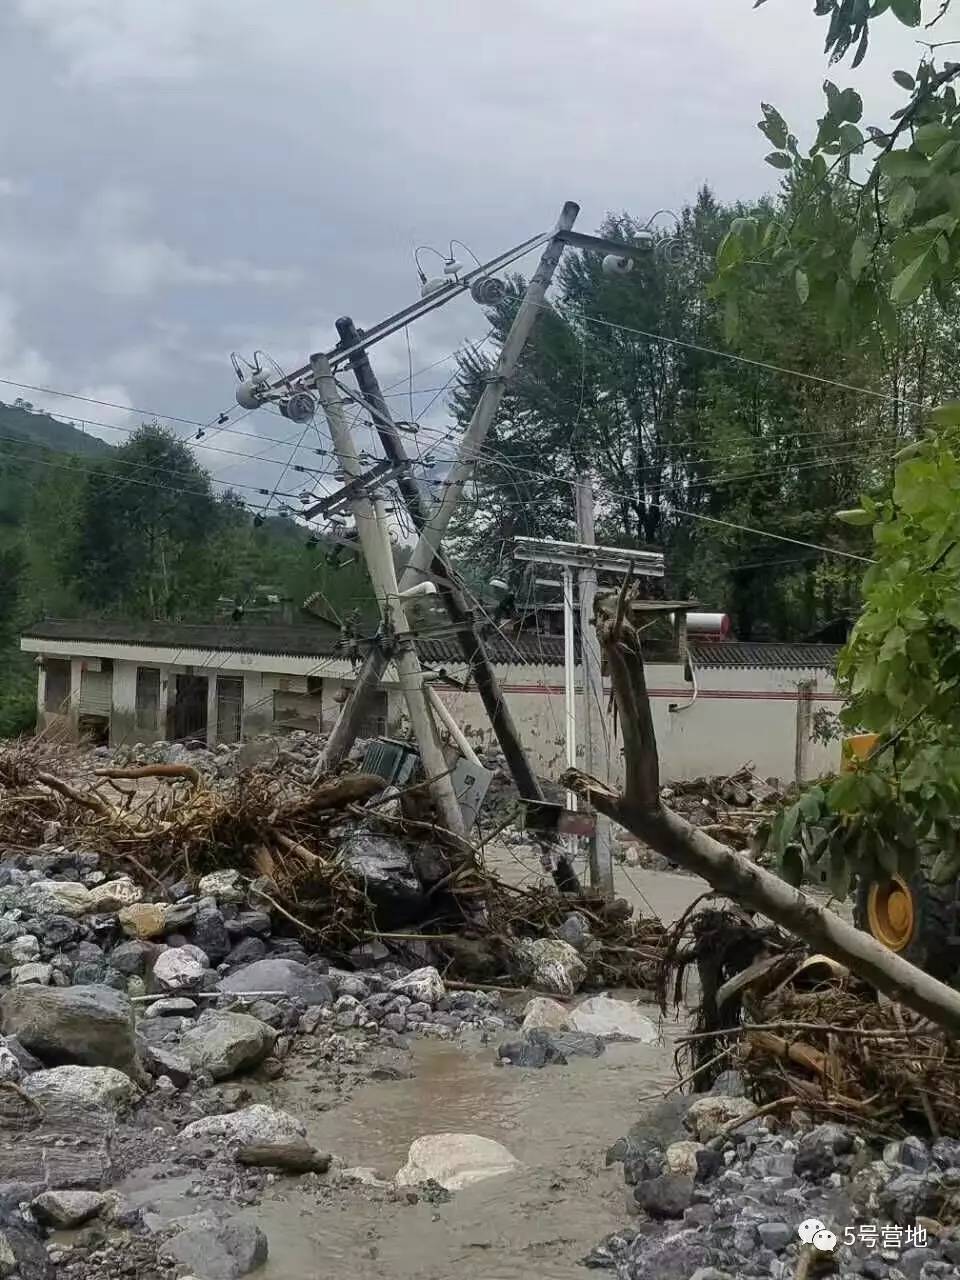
[[856, 748], [891, 913]]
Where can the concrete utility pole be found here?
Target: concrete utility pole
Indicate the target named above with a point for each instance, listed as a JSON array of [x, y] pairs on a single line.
[[418, 502], [481, 420], [596, 738], [371, 521]]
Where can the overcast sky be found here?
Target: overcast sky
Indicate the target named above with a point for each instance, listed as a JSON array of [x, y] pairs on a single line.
[[182, 178]]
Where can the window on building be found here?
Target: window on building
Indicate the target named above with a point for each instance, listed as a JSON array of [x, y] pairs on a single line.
[[57, 685], [229, 708], [315, 686], [148, 698]]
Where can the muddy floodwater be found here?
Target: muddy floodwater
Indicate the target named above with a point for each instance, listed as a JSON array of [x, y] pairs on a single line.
[[558, 1122], [537, 1222]]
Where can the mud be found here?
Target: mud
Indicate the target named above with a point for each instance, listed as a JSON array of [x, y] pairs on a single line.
[[541, 1221]]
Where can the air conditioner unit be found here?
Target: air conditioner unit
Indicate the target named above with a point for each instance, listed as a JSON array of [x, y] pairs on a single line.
[[391, 759]]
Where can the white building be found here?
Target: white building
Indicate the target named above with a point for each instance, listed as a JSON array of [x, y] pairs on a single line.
[[728, 704]]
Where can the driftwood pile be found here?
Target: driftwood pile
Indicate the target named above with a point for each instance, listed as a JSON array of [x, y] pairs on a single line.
[[737, 809], [168, 823], [805, 1033]]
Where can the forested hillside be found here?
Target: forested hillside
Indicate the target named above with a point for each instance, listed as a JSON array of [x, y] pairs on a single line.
[[135, 532]]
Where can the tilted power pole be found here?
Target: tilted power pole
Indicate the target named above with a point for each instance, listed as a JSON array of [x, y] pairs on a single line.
[[418, 502], [481, 420], [374, 535]]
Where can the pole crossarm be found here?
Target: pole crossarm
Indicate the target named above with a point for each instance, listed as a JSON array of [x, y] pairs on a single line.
[[581, 555]]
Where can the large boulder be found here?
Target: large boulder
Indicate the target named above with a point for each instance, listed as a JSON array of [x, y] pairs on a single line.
[[225, 1043], [541, 1011], [708, 1115], [455, 1161], [275, 974], [64, 1210], [220, 1250], [420, 985], [87, 1026], [95, 1086], [386, 871], [50, 898], [257, 1125], [613, 1020], [550, 964]]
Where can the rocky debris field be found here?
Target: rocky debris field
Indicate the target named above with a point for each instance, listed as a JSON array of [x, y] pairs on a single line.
[[726, 1198]]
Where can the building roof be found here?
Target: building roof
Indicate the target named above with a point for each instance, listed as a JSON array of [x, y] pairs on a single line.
[[322, 640], [756, 654]]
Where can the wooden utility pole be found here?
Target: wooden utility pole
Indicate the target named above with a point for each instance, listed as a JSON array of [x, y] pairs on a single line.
[[373, 531], [596, 737]]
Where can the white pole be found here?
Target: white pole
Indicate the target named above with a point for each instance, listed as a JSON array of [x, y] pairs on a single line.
[[596, 739], [372, 528], [569, 687]]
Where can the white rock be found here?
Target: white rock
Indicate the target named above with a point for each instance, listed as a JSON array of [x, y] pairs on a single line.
[[180, 968], [23, 950], [550, 964], [681, 1157], [10, 1068], [706, 1116], [258, 1124], [455, 1160], [8, 1259], [67, 1209], [541, 1011], [99, 1086], [613, 1019], [23, 975], [424, 985], [223, 885], [58, 898], [114, 895]]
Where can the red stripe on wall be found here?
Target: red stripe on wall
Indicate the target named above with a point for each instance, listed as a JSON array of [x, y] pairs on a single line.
[[757, 695]]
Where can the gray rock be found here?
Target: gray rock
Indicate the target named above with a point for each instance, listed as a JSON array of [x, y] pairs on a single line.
[[642, 1157], [255, 922], [776, 1235], [24, 975], [180, 969], [575, 930], [226, 1251], [257, 1126], [395, 1022], [946, 1153], [91, 1026], [269, 1013], [821, 1151], [103, 1087], [172, 1007], [385, 869], [210, 934], [550, 964], [247, 951], [535, 1048], [134, 958], [350, 984], [283, 975], [162, 1062], [225, 1043], [910, 1195], [64, 1210], [914, 1154], [666, 1196], [311, 1020]]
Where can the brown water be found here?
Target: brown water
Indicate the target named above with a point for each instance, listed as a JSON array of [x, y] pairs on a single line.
[[538, 1221]]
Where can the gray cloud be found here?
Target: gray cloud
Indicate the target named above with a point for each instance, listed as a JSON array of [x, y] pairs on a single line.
[[188, 178]]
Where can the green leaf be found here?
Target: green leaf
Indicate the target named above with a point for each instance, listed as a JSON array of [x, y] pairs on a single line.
[[946, 415], [904, 79], [903, 164], [887, 856], [791, 818], [803, 285], [838, 876], [811, 804], [773, 126], [901, 203], [779, 160], [908, 11], [847, 794], [913, 279], [856, 515], [851, 137], [849, 105], [931, 137], [860, 255], [730, 251]]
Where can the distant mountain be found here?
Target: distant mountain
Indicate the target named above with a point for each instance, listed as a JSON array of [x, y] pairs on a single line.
[[22, 422]]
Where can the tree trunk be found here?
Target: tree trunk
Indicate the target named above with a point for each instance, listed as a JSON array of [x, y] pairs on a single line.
[[640, 811]]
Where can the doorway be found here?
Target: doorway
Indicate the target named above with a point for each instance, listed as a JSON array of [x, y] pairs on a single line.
[[189, 709]]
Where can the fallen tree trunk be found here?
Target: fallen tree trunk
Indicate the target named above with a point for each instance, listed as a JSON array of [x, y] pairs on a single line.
[[641, 812], [152, 771]]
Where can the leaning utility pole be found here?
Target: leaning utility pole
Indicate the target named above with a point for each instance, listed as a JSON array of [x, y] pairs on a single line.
[[371, 522], [418, 502], [596, 739], [481, 420]]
